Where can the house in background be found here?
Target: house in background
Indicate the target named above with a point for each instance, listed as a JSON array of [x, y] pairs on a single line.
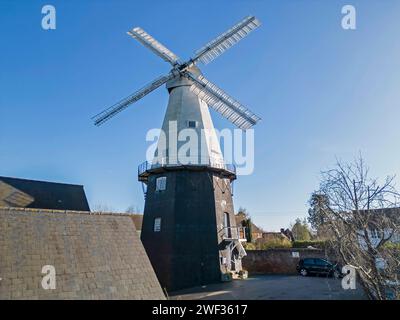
[[256, 232], [375, 231], [23, 193], [269, 236]]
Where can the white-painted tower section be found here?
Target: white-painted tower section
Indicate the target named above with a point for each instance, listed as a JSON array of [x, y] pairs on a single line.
[[188, 135]]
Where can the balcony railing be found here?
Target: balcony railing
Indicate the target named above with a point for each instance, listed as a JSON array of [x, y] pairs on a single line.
[[195, 162], [234, 233]]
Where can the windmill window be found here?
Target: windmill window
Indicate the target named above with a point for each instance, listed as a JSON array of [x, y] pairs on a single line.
[[227, 225], [192, 124], [374, 233], [157, 224], [161, 183]]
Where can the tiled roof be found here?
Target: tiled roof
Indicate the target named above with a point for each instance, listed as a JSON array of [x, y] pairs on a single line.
[[15, 192]]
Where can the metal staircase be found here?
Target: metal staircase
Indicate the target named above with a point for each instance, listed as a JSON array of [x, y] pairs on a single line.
[[235, 236]]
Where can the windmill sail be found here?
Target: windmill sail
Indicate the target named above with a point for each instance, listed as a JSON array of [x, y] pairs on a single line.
[[216, 98], [228, 107], [148, 41], [226, 40], [124, 103]]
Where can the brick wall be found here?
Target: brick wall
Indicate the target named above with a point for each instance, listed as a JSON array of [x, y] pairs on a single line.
[[279, 261], [96, 256]]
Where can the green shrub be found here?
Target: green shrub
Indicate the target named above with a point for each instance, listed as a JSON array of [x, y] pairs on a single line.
[[249, 246], [392, 245], [276, 244]]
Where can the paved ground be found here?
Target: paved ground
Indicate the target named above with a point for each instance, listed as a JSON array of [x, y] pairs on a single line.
[[272, 287]]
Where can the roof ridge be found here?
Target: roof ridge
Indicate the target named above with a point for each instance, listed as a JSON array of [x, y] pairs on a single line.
[[66, 211], [42, 181]]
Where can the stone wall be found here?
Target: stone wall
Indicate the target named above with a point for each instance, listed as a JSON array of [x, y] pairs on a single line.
[[95, 256], [278, 261]]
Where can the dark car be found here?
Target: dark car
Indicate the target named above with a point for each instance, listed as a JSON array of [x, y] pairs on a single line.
[[318, 266]]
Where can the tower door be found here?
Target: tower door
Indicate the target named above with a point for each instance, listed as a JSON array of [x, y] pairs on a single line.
[[227, 225]]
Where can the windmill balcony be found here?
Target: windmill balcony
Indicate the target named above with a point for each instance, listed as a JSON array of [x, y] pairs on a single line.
[[169, 164], [234, 233]]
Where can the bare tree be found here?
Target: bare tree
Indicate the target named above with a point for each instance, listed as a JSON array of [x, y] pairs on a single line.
[[363, 220], [133, 209], [99, 207]]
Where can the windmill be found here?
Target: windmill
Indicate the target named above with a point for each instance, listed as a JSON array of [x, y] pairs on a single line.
[[189, 228]]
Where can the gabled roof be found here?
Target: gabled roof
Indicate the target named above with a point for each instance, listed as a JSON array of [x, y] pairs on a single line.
[[239, 217], [386, 212], [15, 192], [255, 228]]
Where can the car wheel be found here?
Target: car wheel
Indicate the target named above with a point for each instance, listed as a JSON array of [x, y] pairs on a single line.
[[303, 272]]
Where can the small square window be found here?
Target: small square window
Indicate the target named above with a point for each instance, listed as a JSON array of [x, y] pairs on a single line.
[[157, 224], [161, 183], [192, 124], [375, 233]]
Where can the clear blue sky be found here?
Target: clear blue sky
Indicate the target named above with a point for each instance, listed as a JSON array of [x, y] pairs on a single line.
[[321, 91]]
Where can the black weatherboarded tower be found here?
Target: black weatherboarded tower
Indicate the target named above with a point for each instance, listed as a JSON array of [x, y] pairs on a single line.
[[183, 227], [189, 229]]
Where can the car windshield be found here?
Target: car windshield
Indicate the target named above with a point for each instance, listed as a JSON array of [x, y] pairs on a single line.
[[322, 262]]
